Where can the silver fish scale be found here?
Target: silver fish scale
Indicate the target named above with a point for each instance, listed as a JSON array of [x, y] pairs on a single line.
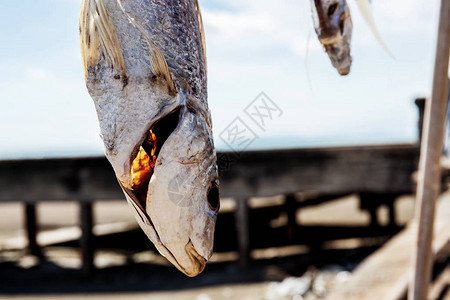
[[173, 27]]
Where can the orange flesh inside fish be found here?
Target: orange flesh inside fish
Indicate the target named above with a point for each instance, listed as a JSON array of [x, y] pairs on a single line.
[[142, 167]]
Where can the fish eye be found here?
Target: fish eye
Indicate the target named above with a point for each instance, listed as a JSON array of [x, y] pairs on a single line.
[[332, 9], [213, 198]]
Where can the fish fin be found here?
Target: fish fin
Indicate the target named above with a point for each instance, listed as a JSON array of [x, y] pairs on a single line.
[[158, 62], [97, 36], [366, 10], [202, 29]]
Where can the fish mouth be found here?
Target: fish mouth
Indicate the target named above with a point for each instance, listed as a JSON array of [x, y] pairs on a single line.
[[145, 154], [340, 57], [196, 263], [144, 160]]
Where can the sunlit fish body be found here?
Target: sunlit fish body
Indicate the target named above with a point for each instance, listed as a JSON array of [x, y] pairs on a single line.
[[145, 69]]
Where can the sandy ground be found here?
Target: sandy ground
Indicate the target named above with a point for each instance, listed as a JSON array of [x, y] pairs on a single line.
[[142, 274], [236, 292]]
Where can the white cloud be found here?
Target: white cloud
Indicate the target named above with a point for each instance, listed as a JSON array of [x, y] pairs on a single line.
[[258, 26], [235, 26], [38, 74], [406, 15], [400, 16]]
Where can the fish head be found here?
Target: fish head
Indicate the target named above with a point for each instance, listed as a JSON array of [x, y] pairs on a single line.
[[174, 186], [333, 26], [183, 193], [156, 130]]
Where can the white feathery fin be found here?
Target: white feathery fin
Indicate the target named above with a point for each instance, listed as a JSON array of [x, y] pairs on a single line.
[[366, 10], [202, 29], [157, 60], [97, 36]]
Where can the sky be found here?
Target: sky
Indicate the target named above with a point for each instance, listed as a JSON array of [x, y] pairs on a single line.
[[253, 47]]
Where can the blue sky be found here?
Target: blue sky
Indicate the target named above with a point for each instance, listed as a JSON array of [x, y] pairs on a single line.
[[253, 46]]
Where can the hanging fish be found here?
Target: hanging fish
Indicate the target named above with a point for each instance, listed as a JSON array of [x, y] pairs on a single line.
[[145, 69], [333, 26]]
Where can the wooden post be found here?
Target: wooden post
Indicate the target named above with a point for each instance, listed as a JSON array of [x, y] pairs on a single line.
[[291, 211], [242, 228], [31, 228], [391, 209], [429, 166], [420, 103], [371, 203], [86, 242]]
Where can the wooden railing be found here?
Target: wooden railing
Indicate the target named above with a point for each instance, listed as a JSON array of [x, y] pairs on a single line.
[[322, 173]]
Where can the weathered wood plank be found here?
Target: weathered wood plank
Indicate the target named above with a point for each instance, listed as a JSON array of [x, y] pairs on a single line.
[[440, 287], [384, 275], [383, 169], [377, 169], [58, 179]]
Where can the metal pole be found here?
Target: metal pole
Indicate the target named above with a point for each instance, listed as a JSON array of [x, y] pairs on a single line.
[[428, 186]]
